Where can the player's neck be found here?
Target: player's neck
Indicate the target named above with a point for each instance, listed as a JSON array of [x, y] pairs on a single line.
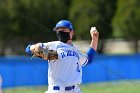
[[69, 42]]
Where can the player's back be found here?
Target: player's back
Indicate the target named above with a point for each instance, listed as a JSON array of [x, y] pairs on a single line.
[[65, 70]]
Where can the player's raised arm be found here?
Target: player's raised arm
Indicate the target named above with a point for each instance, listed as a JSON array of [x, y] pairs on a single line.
[[94, 35], [94, 43]]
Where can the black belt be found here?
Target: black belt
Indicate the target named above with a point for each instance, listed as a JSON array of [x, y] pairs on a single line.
[[66, 88]]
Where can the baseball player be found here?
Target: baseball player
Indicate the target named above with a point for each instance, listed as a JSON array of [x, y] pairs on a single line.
[[65, 65]]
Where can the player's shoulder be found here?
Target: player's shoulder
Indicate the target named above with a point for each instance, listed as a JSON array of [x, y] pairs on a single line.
[[52, 44], [58, 44], [76, 48]]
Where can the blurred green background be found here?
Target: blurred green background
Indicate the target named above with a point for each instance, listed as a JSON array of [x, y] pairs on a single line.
[[31, 21]]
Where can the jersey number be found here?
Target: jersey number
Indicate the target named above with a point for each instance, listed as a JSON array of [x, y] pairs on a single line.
[[78, 70]]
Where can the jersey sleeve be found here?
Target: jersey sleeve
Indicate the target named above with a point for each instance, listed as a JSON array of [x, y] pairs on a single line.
[[83, 59], [27, 50], [49, 45], [91, 54], [87, 58]]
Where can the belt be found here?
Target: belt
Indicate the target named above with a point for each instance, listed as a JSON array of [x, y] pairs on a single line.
[[66, 88]]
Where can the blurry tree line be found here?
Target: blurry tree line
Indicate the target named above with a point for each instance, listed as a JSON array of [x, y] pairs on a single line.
[[30, 21]]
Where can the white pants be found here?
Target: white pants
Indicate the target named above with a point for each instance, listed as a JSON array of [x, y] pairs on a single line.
[[62, 90]]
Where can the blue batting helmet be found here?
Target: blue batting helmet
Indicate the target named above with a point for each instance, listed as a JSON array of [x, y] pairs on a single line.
[[63, 23]]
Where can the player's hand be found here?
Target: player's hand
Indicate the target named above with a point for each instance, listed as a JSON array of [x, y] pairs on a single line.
[[94, 33]]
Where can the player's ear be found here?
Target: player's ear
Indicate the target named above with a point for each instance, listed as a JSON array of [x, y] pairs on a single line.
[[72, 32]]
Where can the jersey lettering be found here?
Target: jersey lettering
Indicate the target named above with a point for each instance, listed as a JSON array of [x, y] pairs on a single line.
[[69, 53], [78, 70]]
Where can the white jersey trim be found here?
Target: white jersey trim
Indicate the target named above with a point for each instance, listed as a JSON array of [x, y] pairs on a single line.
[[85, 62]]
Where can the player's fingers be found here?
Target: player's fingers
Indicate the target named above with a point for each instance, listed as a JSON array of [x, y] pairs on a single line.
[[96, 34]]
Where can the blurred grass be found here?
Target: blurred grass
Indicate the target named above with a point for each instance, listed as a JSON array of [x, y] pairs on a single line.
[[109, 87]]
